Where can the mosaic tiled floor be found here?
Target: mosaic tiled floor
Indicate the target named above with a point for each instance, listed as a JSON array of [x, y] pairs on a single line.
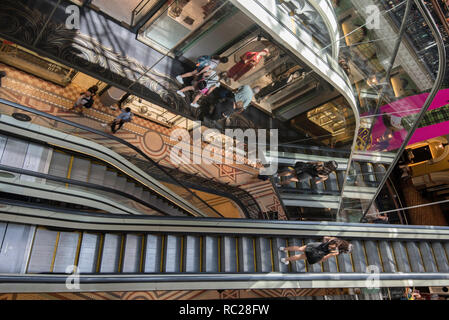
[[150, 137]]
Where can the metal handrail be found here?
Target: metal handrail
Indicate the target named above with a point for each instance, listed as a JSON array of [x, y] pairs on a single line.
[[112, 137], [81, 184]]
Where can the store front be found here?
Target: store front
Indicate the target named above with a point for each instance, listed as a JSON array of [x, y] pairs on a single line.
[[30, 62]]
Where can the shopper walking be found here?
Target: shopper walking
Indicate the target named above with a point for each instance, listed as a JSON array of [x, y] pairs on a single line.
[[204, 64], [86, 100], [316, 252], [122, 118]]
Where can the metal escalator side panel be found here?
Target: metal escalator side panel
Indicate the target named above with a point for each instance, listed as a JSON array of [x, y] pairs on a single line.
[[191, 254], [401, 256], [43, 251], [66, 252], [15, 247], [88, 256], [246, 255], [441, 257], [110, 256], [132, 253], [388, 259], [414, 257], [229, 254], [172, 261], [263, 254], [430, 263], [277, 255], [153, 253]]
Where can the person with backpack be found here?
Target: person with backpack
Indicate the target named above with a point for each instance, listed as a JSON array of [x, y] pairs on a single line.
[[85, 100], [204, 64], [122, 118], [316, 252], [204, 83], [309, 170], [2, 74]]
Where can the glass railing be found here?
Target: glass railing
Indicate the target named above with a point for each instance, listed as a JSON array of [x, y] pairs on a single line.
[[90, 129], [389, 67], [393, 98]]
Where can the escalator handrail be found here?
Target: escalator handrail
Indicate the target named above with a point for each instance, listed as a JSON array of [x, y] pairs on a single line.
[[109, 136], [81, 184]]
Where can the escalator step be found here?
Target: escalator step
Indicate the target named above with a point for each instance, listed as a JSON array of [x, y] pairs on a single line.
[[210, 254], [246, 255], [172, 252], [191, 261], [372, 254], [88, 256], [263, 254], [430, 264], [97, 174], [80, 169], [414, 257], [109, 179], [277, 255], [401, 256], [441, 257], [110, 257], [228, 254], [66, 252], [358, 256], [153, 247], [132, 253], [59, 165], [388, 259], [14, 247], [42, 251]]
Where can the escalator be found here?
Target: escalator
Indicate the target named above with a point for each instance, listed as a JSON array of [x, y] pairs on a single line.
[[366, 173], [150, 252], [120, 193], [83, 154]]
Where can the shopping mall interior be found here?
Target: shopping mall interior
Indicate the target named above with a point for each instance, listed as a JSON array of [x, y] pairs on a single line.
[[104, 103]]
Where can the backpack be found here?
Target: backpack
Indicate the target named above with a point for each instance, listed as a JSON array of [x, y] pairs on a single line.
[[89, 103], [203, 61]]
